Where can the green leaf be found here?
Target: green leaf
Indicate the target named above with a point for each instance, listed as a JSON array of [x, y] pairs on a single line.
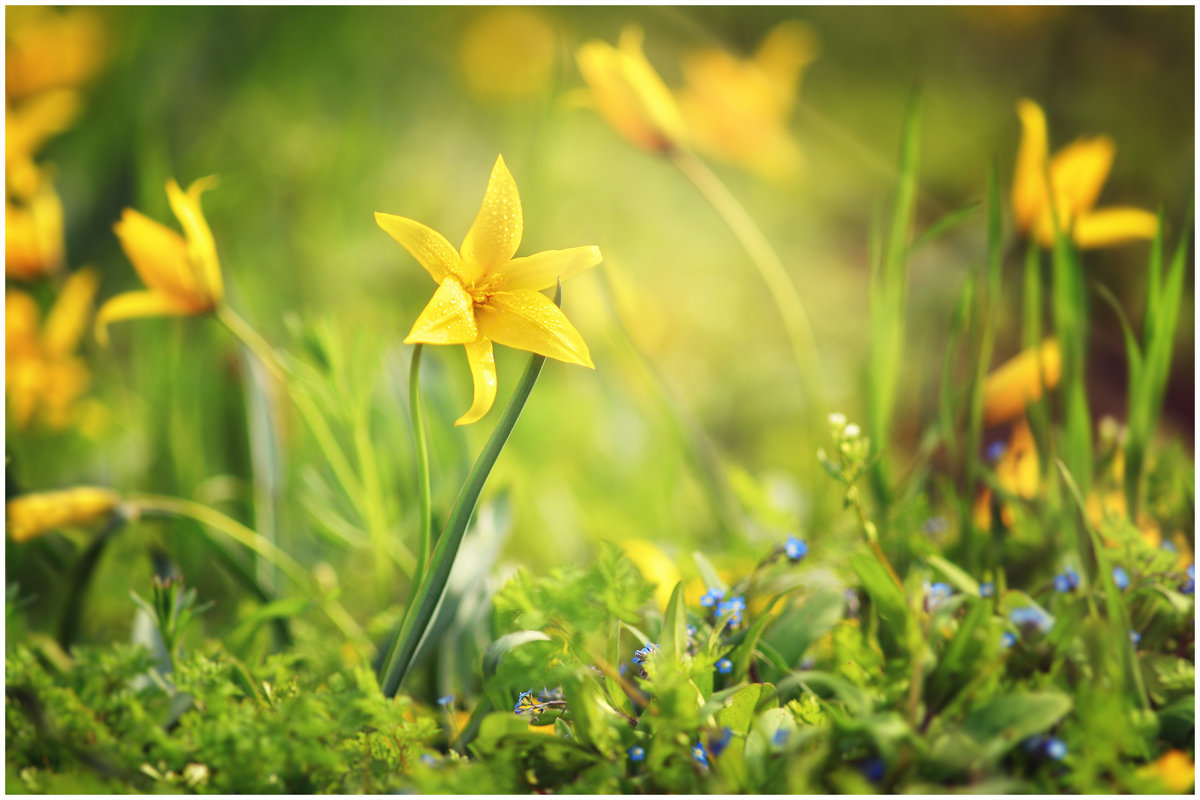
[[674, 632], [886, 595], [1006, 721], [956, 576], [738, 712], [708, 573], [500, 648], [796, 630]]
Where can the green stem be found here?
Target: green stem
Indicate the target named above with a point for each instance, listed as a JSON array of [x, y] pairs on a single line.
[[428, 593], [251, 338], [81, 578], [178, 507], [770, 268], [424, 542]]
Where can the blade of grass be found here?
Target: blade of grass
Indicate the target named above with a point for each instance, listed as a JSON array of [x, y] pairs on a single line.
[[433, 584], [421, 449], [889, 290]]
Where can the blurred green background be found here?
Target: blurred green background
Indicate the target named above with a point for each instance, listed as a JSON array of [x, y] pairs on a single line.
[[313, 118]]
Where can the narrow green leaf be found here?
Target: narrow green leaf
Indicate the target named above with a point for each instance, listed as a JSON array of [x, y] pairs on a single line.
[[944, 225], [955, 575], [674, 632], [429, 593], [421, 452], [708, 573]]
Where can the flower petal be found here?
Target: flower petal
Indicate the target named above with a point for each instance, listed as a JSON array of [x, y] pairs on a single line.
[[483, 372], [448, 318], [1078, 172], [427, 246], [1018, 382], [199, 238], [137, 304], [1029, 178], [545, 269], [629, 94], [530, 321], [495, 234], [159, 255], [1114, 225], [21, 318], [67, 320]]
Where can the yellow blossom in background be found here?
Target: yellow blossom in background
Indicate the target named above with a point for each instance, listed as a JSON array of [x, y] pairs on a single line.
[[655, 566], [181, 273], [33, 234], [47, 48], [738, 110], [1017, 472], [26, 128], [629, 94], [1018, 382], [485, 295], [31, 515], [42, 375], [1077, 174], [1175, 769], [508, 53]]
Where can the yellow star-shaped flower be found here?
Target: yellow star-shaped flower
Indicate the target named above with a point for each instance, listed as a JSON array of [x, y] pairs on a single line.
[[485, 295], [629, 94], [1077, 174], [737, 110], [181, 273]]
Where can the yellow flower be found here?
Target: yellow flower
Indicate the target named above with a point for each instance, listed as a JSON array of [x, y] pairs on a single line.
[[1016, 472], [48, 48], [485, 295], [629, 94], [27, 127], [181, 272], [33, 234], [1077, 173], [42, 376], [737, 110], [1018, 382], [31, 515], [1175, 769], [508, 54]]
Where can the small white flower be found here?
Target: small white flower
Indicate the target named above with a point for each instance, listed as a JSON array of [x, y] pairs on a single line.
[[837, 419], [852, 430]]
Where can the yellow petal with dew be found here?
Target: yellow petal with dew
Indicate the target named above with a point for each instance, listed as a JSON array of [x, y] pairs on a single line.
[[448, 318], [483, 374], [530, 321], [427, 246], [159, 255], [1077, 174], [137, 304], [1029, 178], [496, 232], [1114, 225], [1018, 382], [201, 247], [545, 269], [67, 321]]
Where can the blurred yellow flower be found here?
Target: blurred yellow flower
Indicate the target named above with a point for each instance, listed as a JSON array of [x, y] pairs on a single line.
[[1175, 769], [1077, 173], [47, 48], [181, 272], [507, 53], [738, 110], [31, 515], [1017, 472], [1018, 382], [42, 375], [629, 94], [485, 295], [655, 566], [33, 233], [26, 128]]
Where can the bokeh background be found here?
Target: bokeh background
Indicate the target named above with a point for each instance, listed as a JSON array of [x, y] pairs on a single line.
[[313, 118]]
